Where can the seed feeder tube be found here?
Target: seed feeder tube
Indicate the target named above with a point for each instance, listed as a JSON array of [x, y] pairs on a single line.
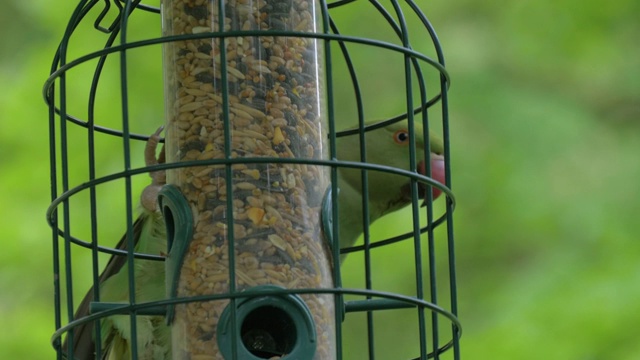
[[243, 220]]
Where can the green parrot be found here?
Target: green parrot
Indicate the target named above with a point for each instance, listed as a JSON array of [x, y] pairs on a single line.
[[388, 146], [149, 234]]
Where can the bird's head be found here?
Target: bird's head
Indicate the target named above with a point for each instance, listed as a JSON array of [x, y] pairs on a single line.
[[390, 146]]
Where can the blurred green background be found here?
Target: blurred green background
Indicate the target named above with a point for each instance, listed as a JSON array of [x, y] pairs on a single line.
[[545, 116]]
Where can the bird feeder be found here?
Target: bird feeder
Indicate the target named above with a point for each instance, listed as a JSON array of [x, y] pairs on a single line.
[[255, 92], [244, 106]]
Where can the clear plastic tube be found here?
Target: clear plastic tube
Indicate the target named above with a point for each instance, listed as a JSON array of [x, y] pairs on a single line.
[[276, 109]]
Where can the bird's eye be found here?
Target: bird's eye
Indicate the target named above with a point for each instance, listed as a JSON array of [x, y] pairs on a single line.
[[401, 137]]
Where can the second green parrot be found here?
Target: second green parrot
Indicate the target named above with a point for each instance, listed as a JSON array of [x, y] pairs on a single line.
[[389, 146]]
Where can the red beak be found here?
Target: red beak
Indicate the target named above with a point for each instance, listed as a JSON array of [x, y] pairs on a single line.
[[437, 172]]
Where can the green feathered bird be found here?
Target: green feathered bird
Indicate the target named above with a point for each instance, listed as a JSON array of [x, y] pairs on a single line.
[[388, 146], [149, 234]]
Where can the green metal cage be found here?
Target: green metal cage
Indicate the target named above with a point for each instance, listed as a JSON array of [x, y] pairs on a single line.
[[94, 154]]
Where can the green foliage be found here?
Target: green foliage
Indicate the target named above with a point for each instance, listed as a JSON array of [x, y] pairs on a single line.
[[544, 143]]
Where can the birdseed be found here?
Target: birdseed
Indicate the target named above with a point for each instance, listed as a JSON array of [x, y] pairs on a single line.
[[275, 110]]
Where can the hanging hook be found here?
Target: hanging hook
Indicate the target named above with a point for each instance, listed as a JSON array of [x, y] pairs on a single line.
[[101, 16], [119, 4]]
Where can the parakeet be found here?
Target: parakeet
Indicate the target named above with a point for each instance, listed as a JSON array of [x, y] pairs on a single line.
[[388, 146], [150, 238]]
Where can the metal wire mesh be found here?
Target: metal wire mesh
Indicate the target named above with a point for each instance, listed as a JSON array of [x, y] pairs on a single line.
[[77, 199]]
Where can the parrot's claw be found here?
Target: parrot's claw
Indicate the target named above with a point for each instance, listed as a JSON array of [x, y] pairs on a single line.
[[149, 197], [152, 145]]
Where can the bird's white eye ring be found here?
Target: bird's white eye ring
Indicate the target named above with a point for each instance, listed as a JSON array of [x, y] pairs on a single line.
[[401, 137]]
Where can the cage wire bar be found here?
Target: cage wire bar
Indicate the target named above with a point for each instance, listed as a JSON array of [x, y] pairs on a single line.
[[63, 189]]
